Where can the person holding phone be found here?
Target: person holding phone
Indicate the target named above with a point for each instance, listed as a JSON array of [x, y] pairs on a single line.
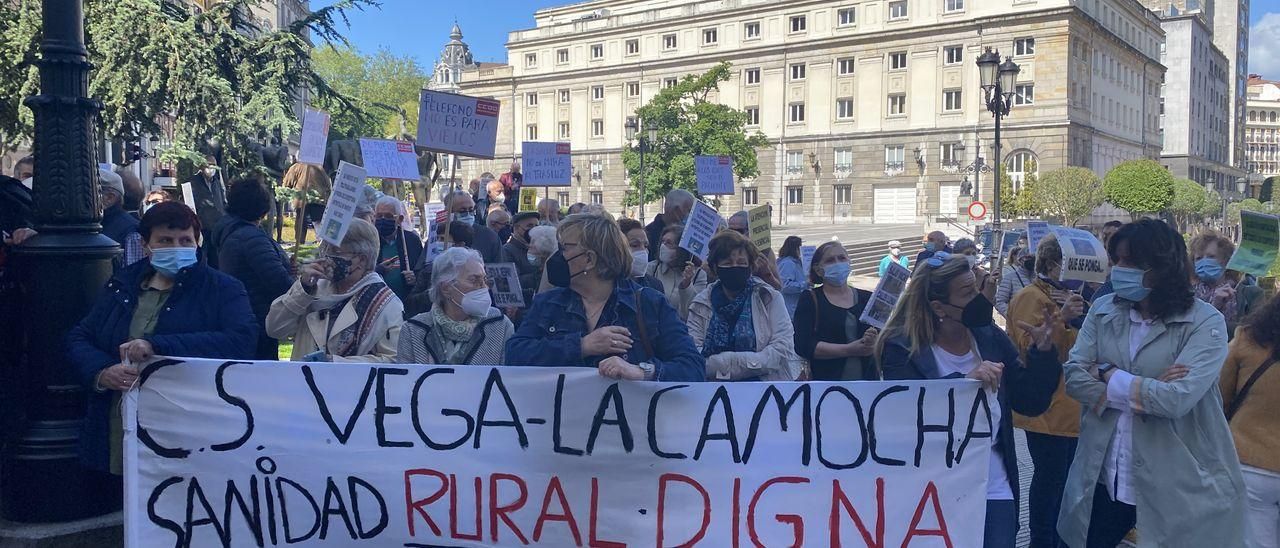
[[399, 249]]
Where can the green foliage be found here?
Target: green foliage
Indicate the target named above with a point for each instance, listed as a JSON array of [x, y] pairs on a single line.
[[1139, 186], [384, 87], [689, 124], [1022, 202], [1212, 205], [1190, 200], [1069, 194]]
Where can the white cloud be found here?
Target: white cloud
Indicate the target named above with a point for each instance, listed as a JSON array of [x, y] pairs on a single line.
[[1264, 47]]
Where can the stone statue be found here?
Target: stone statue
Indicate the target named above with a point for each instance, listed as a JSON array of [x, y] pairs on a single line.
[[966, 188]]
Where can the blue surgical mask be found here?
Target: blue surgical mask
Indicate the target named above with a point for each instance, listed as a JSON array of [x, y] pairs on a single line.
[[836, 273], [170, 260], [1209, 270], [930, 247], [1127, 283], [468, 218]]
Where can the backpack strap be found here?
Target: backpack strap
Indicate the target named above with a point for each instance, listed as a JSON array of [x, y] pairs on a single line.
[[1244, 390]]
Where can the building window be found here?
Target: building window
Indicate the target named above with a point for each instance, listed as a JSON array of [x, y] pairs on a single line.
[[1024, 46], [597, 170], [531, 132], [753, 115], [752, 76], [633, 47], [531, 99], [844, 194], [750, 196], [668, 41], [597, 93], [597, 51], [597, 197], [949, 155], [562, 197], [633, 89], [953, 55], [669, 83], [564, 96], [1024, 94], [632, 127], [844, 109], [1020, 164], [797, 113], [847, 16], [951, 100], [844, 67], [597, 128], [897, 104], [952, 6], [751, 31], [710, 37], [898, 60], [795, 195], [564, 130], [799, 23], [897, 9], [795, 161], [844, 160], [893, 156], [798, 71], [530, 60], [562, 56]]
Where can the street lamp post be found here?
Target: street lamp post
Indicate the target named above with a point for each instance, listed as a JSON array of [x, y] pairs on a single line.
[[998, 80], [651, 132]]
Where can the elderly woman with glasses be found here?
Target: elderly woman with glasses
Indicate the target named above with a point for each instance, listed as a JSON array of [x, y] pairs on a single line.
[[463, 328], [596, 316]]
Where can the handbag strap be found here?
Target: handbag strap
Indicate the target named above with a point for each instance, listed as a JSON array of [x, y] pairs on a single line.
[[644, 331], [1244, 390]]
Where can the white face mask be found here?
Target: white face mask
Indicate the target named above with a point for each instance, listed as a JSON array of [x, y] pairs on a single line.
[[210, 171], [27, 183], [476, 303], [639, 260], [667, 255]]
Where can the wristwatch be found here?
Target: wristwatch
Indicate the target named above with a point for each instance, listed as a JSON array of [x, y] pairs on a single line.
[[648, 370], [1102, 370]]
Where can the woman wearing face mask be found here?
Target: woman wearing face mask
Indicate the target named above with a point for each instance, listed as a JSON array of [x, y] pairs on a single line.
[[986, 282], [675, 269], [456, 234], [740, 322], [1154, 447], [165, 305], [340, 310], [463, 328], [827, 330], [638, 243], [597, 317], [941, 329], [1019, 273], [1226, 290], [791, 272]]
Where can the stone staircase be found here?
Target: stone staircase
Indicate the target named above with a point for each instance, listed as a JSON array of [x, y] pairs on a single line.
[[865, 256]]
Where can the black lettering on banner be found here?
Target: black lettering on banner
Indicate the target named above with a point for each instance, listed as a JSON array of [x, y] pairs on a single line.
[[652, 421], [252, 516], [363, 533], [238, 402], [381, 410], [284, 510], [979, 401], [721, 400], [166, 524], [802, 394], [555, 422], [922, 428], [271, 499], [611, 398], [862, 428], [144, 436], [871, 426], [417, 419], [194, 493], [334, 506], [344, 434], [495, 381]]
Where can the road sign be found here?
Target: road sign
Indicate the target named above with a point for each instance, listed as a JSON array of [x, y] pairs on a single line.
[[977, 210]]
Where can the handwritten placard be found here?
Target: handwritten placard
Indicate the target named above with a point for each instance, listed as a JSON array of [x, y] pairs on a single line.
[[1083, 256], [546, 164], [699, 228], [760, 227], [714, 174], [315, 137], [387, 159], [457, 124], [347, 193]]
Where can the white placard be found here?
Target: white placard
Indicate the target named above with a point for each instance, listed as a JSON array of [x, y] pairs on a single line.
[[886, 295], [505, 284], [457, 124], [699, 228], [189, 196], [806, 258], [346, 194], [1036, 231], [387, 159], [226, 453], [715, 174], [315, 137], [1083, 256], [546, 164], [431, 247]]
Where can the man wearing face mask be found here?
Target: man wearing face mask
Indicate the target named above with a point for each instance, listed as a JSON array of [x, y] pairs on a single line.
[[340, 310], [399, 249], [462, 208], [117, 223], [936, 241], [208, 192], [463, 328], [675, 209], [517, 250]]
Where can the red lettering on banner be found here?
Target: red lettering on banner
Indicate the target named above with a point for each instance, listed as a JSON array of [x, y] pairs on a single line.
[[737, 510], [412, 505], [839, 500], [930, 495], [662, 504], [595, 511], [497, 512], [566, 516], [453, 511], [796, 522]]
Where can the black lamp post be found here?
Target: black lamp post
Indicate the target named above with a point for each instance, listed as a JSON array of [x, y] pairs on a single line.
[[63, 270], [998, 80], [645, 139]]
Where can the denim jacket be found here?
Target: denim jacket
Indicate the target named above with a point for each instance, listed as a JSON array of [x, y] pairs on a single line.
[[552, 331]]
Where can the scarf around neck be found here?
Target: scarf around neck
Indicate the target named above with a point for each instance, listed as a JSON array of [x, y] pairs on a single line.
[[731, 328]]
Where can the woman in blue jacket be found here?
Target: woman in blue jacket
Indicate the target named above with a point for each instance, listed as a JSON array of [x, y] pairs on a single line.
[[598, 317], [166, 305], [941, 329]]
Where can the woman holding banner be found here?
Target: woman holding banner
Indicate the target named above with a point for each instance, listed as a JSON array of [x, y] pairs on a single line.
[[1226, 290], [676, 269], [1154, 447], [828, 332], [463, 328], [740, 322], [941, 329], [597, 317]]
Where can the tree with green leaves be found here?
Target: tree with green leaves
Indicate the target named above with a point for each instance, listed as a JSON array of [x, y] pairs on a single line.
[[1139, 186], [689, 125], [1069, 194], [1020, 202], [384, 87]]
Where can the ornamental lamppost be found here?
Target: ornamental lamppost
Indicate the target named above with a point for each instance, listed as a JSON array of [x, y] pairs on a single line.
[[977, 168], [998, 80], [645, 141]]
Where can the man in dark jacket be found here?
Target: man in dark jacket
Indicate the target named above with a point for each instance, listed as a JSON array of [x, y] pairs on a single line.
[[209, 194], [674, 211], [117, 223], [15, 222], [241, 249], [462, 208], [517, 250], [400, 249]]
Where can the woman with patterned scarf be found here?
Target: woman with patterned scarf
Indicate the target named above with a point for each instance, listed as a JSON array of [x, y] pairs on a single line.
[[463, 328], [739, 322]]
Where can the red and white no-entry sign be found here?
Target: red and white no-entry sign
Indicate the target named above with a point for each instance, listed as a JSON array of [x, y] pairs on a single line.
[[977, 210]]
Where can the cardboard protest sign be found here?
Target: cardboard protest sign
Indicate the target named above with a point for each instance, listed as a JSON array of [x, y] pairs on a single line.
[[806, 258], [1036, 230], [1083, 257], [457, 124], [883, 300], [699, 228], [760, 227], [546, 164], [315, 137], [432, 215], [1259, 243], [528, 200], [505, 284], [188, 196], [387, 159], [343, 199], [714, 174], [245, 453]]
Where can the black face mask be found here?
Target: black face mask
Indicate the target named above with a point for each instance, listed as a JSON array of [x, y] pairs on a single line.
[[386, 227], [1029, 263], [734, 278], [977, 313], [341, 268], [558, 269]]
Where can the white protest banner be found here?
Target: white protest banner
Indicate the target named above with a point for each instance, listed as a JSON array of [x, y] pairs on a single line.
[[1259, 244], [806, 258], [1083, 257], [760, 227], [885, 298], [546, 164], [505, 282], [241, 453], [342, 203], [699, 228], [457, 124], [714, 174], [387, 159], [1036, 230], [188, 196], [315, 137]]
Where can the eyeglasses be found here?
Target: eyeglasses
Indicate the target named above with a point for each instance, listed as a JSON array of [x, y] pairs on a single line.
[[472, 209]]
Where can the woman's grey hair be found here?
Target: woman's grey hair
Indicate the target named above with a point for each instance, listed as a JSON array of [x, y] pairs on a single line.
[[544, 240], [446, 266], [362, 240]]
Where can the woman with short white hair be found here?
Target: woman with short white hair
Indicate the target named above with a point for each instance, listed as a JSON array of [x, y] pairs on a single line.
[[463, 327]]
